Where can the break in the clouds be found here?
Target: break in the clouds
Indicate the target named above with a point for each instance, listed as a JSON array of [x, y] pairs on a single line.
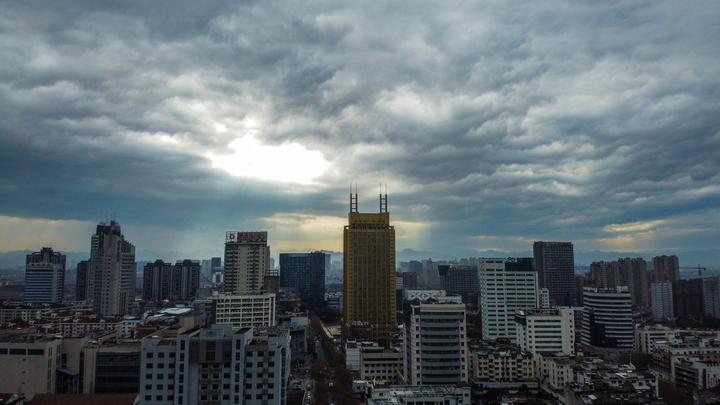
[[493, 123]]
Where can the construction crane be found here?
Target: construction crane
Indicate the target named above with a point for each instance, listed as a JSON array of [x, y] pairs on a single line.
[[700, 269]]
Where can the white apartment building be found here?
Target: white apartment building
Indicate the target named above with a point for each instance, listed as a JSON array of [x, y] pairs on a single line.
[[647, 337], [436, 342], [244, 311], [216, 365], [506, 286], [546, 330], [661, 300]]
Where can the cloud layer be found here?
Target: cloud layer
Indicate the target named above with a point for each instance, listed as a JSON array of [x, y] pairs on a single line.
[[493, 123]]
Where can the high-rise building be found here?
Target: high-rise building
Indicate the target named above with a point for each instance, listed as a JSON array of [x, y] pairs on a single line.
[[436, 349], [44, 276], [546, 330], [506, 286], [82, 283], [247, 261], [109, 275], [172, 282], [216, 365], [369, 274], [555, 263], [688, 300], [460, 280], [711, 296], [636, 273], [661, 300], [607, 318], [630, 272], [666, 268], [305, 272]]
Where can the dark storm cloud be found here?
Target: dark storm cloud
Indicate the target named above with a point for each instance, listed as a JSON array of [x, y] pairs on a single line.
[[492, 121]]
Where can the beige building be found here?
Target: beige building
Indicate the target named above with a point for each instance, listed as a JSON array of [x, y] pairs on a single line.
[[369, 274], [30, 364], [247, 262], [244, 311]]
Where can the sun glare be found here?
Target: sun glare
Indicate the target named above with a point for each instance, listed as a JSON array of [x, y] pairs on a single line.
[[289, 162]]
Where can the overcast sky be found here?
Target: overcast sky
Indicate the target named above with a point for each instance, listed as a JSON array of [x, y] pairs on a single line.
[[493, 123]]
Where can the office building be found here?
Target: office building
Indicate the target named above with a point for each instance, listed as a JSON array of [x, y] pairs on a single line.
[[607, 319], [711, 296], [647, 337], [506, 286], [435, 341], [546, 330], [44, 277], [244, 311], [109, 276], [460, 280], [247, 261], [555, 264], [216, 365], [110, 367], [81, 280], [305, 272], [661, 301], [30, 363], [172, 282], [369, 307], [688, 300], [409, 280]]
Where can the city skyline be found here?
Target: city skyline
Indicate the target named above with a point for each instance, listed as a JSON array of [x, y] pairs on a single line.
[[493, 125]]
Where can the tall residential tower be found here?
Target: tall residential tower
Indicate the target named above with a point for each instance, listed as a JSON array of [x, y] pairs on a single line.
[[369, 274], [247, 259], [108, 278]]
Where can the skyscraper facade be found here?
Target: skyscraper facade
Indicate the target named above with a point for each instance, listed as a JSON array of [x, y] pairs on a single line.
[[506, 286], [369, 274], [688, 300], [173, 282], [607, 318], [82, 283], [630, 272], [305, 272], [555, 263], [109, 275], [247, 259], [44, 276], [460, 280]]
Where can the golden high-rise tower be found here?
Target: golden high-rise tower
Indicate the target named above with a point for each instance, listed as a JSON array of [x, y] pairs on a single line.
[[369, 274]]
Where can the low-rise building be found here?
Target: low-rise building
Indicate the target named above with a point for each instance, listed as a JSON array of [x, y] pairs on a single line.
[[546, 330], [214, 365], [691, 375], [381, 365], [501, 367], [426, 395], [30, 362], [244, 311]]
